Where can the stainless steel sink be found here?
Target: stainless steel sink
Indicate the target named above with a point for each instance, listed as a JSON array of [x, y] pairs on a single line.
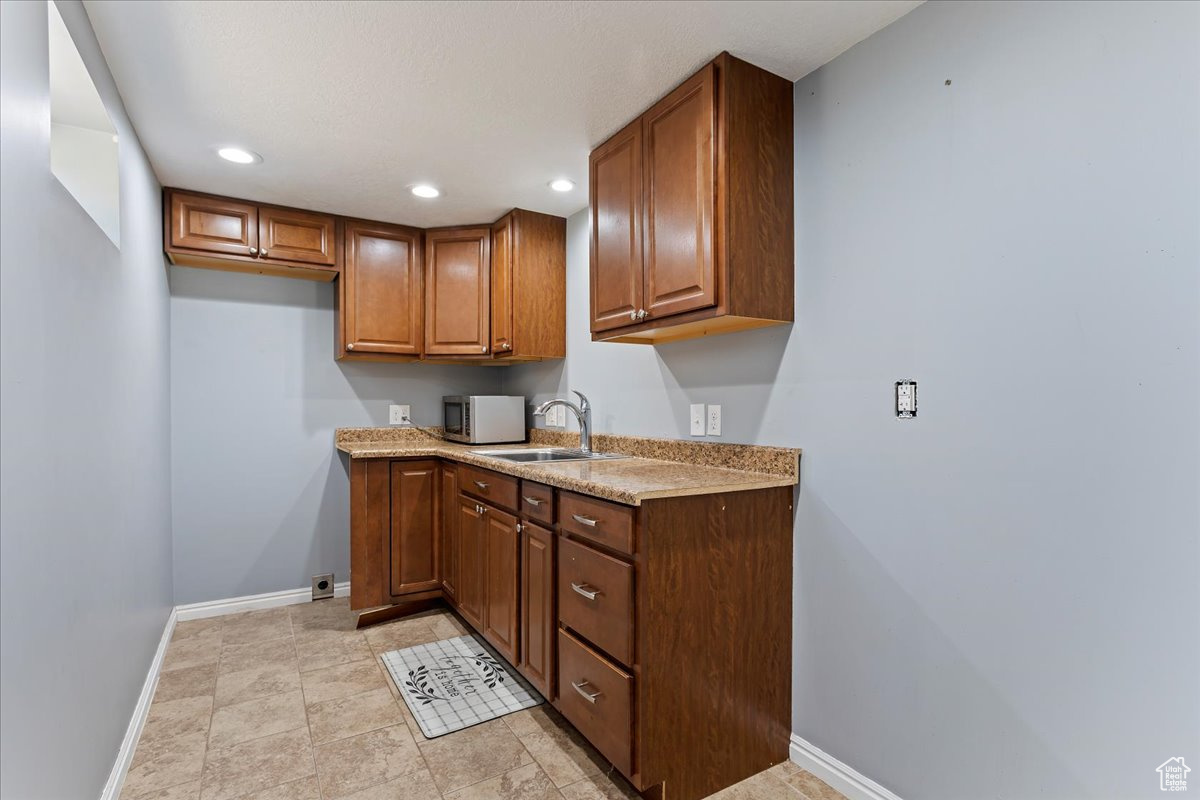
[[529, 455]]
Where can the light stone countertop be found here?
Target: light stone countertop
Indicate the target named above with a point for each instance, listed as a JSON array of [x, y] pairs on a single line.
[[624, 480]]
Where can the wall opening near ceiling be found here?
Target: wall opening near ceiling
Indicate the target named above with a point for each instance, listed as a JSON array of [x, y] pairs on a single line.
[[83, 140]]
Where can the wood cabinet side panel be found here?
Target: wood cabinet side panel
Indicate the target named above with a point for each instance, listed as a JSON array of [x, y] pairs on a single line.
[[714, 594], [370, 510], [539, 285], [755, 190]]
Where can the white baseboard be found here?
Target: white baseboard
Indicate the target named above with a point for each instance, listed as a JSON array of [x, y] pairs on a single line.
[[212, 608], [845, 779], [253, 602], [116, 778]]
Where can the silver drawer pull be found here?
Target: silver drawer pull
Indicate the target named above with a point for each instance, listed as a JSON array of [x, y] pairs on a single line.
[[589, 696], [587, 591], [591, 523], [481, 484], [533, 501]]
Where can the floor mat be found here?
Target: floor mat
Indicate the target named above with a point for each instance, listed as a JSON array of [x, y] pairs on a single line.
[[456, 683]]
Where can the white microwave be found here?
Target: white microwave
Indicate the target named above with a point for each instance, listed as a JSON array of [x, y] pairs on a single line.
[[483, 418]]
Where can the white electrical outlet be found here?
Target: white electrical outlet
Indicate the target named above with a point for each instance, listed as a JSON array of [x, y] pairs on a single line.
[[399, 415], [714, 420], [697, 419], [556, 417]]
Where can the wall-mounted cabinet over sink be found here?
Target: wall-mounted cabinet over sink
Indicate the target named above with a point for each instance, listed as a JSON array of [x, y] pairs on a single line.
[[476, 294], [691, 204]]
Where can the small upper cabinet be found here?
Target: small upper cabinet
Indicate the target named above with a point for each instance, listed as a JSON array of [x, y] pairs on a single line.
[[285, 234], [220, 233], [380, 302], [458, 292], [529, 286], [692, 221], [212, 225]]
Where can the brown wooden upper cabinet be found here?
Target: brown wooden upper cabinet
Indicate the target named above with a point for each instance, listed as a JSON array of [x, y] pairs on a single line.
[[529, 286], [380, 302], [692, 220], [458, 291], [221, 233]]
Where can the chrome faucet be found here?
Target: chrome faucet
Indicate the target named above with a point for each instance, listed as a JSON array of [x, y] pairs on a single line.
[[583, 413]]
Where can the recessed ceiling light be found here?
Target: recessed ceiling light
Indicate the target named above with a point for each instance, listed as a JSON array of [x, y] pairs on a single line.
[[425, 190], [562, 185], [239, 156]]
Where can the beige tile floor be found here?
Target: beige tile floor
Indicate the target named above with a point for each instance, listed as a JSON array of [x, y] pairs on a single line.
[[294, 704]]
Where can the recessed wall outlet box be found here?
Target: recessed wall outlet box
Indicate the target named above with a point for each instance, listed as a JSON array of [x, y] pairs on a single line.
[[697, 419], [714, 420], [399, 415], [906, 399], [322, 586]]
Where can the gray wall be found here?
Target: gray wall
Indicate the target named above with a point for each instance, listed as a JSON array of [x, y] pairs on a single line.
[[259, 495], [85, 543], [998, 598]]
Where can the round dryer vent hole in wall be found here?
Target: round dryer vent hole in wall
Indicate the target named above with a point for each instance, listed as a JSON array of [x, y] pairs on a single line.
[[322, 586]]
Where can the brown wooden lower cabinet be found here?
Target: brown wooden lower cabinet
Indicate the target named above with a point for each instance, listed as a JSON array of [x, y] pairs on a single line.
[[501, 590], [472, 542], [662, 632], [538, 619]]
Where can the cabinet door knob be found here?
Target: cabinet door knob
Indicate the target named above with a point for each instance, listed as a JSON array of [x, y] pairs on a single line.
[[350, 346], [483, 349], [262, 253], [589, 696], [633, 315], [520, 527], [253, 251], [642, 313]]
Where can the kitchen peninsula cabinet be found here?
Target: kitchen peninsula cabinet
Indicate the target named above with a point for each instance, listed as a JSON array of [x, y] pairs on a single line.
[[647, 626], [691, 204], [221, 233]]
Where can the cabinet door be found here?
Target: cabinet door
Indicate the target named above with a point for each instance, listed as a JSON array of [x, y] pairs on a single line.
[[502, 285], [382, 281], [457, 291], [414, 556], [289, 235], [537, 607], [450, 535], [616, 207], [503, 558], [213, 224], [680, 192], [471, 559]]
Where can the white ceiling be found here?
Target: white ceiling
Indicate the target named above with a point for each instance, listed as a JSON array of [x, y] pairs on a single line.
[[350, 103]]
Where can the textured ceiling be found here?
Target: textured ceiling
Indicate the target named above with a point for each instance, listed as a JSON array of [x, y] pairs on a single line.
[[350, 103]]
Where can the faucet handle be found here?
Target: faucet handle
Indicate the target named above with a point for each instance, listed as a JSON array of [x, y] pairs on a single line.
[[584, 405]]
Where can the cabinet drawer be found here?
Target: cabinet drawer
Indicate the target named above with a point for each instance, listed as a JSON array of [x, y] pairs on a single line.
[[499, 490], [595, 598], [597, 698], [537, 502], [605, 523]]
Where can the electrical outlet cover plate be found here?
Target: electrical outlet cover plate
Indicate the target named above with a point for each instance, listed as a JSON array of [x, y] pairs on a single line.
[[714, 420], [399, 415], [906, 399], [697, 425]]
